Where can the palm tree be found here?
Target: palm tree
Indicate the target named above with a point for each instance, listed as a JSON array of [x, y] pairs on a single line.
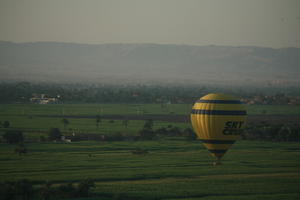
[[125, 122], [98, 120], [65, 122]]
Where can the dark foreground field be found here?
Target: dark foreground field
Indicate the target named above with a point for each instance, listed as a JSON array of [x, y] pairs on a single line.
[[172, 169]]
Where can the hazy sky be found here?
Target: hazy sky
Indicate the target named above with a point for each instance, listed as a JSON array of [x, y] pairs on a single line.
[[269, 23]]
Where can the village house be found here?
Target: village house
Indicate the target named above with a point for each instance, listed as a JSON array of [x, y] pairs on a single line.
[[43, 99]]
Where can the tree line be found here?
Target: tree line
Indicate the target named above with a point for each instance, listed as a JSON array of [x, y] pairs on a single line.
[[274, 132], [24, 190], [261, 131], [78, 93], [22, 92]]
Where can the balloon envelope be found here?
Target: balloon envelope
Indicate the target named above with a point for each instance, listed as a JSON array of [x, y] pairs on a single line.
[[218, 120]]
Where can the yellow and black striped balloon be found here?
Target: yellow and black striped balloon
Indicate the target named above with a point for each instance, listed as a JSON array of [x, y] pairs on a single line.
[[218, 120]]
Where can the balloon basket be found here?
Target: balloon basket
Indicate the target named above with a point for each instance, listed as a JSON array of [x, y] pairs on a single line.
[[217, 162]]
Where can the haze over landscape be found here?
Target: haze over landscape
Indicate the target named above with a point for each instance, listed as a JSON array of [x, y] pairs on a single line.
[[142, 63], [141, 41], [149, 99]]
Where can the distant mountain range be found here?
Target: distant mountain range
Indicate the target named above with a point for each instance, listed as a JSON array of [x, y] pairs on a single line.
[[117, 63]]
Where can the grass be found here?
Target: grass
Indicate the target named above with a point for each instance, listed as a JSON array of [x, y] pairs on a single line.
[[26, 116], [129, 109], [174, 169], [37, 126]]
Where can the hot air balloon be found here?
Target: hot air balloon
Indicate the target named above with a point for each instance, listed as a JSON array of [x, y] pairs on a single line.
[[218, 120]]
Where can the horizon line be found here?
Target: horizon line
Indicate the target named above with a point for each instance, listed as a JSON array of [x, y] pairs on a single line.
[[146, 43]]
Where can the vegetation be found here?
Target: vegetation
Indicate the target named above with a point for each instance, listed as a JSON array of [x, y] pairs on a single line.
[[148, 93], [122, 122], [21, 149], [54, 134], [31, 111], [13, 136], [21, 189], [277, 132], [141, 151], [25, 190], [171, 169], [65, 122], [5, 124]]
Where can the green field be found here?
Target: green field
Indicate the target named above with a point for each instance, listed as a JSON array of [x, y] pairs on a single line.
[[35, 121], [35, 127], [173, 169], [38, 119], [130, 109]]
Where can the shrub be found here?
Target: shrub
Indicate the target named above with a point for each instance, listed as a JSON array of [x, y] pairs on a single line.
[[54, 134], [6, 124], [13, 136], [21, 189], [147, 134], [21, 149], [83, 188], [189, 134], [66, 190]]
